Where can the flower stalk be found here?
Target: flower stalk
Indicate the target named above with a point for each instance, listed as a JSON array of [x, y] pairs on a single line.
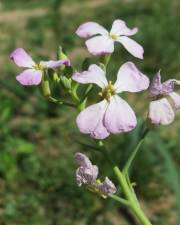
[[135, 151], [129, 194]]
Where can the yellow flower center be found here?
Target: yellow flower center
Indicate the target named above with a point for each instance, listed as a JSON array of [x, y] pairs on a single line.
[[107, 92], [38, 67], [113, 36]]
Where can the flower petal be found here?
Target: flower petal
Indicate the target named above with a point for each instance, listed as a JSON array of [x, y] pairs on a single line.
[[161, 112], [119, 28], [176, 99], [21, 58], [168, 86], [132, 46], [119, 116], [94, 75], [107, 187], [54, 63], [82, 160], [29, 77], [89, 29], [156, 86], [90, 120], [86, 175], [100, 45], [130, 79]]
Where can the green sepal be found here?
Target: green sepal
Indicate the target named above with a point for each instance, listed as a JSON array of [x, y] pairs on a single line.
[[53, 76], [103, 67], [82, 105], [61, 54], [45, 87], [73, 92], [66, 82]]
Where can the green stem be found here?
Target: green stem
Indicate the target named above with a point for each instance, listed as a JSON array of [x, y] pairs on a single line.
[[89, 89], [105, 59], [60, 102], [133, 204], [126, 189], [120, 200], [132, 156]]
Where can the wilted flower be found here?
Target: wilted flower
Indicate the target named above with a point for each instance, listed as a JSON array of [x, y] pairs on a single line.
[[107, 187], [34, 72], [112, 114], [87, 174], [160, 109], [104, 41]]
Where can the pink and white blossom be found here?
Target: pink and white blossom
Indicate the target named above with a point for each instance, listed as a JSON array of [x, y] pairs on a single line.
[[161, 111], [112, 114], [33, 73], [102, 41]]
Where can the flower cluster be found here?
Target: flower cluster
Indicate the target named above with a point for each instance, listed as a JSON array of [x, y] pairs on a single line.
[[112, 114], [87, 174]]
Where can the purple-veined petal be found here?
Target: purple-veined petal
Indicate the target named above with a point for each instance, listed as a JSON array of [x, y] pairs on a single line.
[[119, 117], [130, 79], [94, 75], [156, 86], [90, 120], [107, 187], [82, 160], [89, 29], [86, 175], [132, 46], [168, 86], [30, 77], [54, 63], [119, 28], [100, 45], [161, 112], [21, 58], [176, 99]]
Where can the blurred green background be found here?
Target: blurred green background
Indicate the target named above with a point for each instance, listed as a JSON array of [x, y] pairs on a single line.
[[38, 138]]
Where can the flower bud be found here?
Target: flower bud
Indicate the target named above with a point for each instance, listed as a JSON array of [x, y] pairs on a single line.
[[45, 87]]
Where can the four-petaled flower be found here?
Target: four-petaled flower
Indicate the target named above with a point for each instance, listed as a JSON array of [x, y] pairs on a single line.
[[87, 174], [32, 75], [112, 114], [103, 42], [160, 109]]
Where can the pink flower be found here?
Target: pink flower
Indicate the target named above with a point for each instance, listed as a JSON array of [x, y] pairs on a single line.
[[103, 41], [160, 109], [34, 72], [112, 114]]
